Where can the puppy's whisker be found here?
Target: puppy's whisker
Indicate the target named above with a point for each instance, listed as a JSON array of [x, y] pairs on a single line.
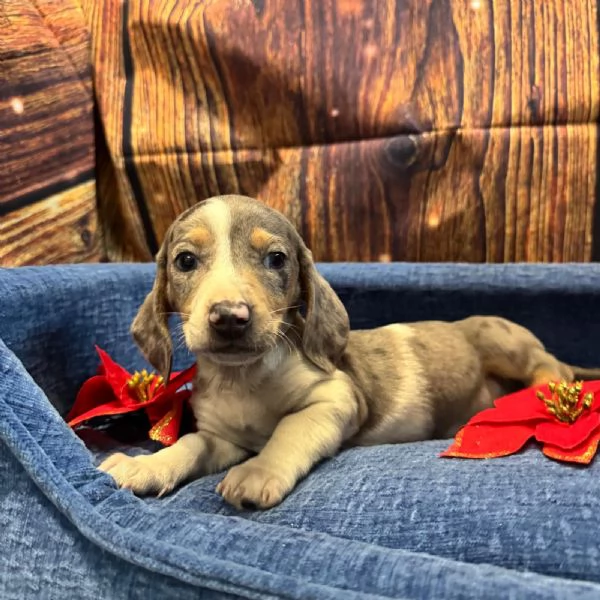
[[181, 345], [179, 337], [284, 309], [280, 335], [179, 329], [180, 341], [193, 326], [175, 313]]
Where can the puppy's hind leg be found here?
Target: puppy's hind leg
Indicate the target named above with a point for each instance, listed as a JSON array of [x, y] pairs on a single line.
[[543, 367], [510, 351]]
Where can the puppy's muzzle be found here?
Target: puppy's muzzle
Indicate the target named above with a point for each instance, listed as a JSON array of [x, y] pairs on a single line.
[[229, 320]]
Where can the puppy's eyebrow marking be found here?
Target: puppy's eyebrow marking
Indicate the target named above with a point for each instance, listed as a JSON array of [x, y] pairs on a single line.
[[200, 236], [259, 238]]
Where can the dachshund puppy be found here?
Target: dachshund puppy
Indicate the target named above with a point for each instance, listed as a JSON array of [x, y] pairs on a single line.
[[279, 388]]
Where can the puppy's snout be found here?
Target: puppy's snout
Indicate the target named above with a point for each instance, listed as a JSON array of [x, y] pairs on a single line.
[[230, 320]]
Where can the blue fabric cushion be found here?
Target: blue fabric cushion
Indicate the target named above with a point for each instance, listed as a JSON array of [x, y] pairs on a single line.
[[391, 521]]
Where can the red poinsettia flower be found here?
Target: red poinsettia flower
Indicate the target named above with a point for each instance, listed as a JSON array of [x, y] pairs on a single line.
[[114, 391], [564, 418]]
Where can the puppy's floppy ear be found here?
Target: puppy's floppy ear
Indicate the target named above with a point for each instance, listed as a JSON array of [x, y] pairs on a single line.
[[326, 326], [150, 328]]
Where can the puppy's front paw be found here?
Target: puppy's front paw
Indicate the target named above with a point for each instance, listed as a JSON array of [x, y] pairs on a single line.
[[251, 485], [145, 474]]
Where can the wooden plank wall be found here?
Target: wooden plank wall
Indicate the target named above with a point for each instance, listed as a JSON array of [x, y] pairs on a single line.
[[47, 190], [426, 130]]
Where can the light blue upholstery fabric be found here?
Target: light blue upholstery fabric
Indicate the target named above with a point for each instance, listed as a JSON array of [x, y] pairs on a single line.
[[391, 521]]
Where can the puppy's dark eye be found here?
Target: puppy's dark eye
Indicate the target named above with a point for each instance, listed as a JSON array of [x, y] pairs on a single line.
[[275, 260], [186, 261]]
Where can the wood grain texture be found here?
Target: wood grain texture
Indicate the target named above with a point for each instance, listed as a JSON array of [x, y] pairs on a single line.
[[119, 197], [386, 130], [58, 229], [46, 133]]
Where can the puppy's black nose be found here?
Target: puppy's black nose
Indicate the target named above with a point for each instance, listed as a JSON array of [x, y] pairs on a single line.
[[228, 319]]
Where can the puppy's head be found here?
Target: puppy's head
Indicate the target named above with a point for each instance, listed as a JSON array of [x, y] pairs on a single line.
[[238, 273]]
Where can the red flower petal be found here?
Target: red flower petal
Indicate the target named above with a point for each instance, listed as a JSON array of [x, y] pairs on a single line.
[[583, 454], [93, 392], [489, 440], [166, 430], [107, 409], [521, 407], [116, 376], [565, 435], [591, 386]]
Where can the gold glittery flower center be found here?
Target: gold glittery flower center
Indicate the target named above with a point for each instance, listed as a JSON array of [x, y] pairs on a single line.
[[141, 383], [565, 401]]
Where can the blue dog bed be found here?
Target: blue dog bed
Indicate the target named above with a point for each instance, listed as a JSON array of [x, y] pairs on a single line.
[[383, 522]]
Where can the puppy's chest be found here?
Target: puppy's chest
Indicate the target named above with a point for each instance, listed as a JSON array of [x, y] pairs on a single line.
[[244, 418]]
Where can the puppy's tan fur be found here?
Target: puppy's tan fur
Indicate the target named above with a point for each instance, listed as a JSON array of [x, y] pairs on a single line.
[[297, 389]]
